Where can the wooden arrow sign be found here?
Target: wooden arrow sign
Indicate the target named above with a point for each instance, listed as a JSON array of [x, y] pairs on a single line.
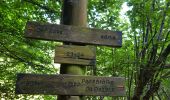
[[71, 54], [74, 34], [69, 85]]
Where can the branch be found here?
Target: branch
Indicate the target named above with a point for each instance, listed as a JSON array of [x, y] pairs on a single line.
[[167, 73], [166, 38], [167, 66], [152, 90], [163, 20], [162, 58], [146, 76], [158, 95], [153, 5]]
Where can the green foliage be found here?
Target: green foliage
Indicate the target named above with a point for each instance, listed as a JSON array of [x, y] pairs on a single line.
[[149, 28], [145, 39], [20, 55]]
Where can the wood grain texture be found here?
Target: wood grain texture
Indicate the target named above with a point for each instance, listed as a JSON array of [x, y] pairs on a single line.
[[72, 54], [74, 12], [74, 34], [69, 85]]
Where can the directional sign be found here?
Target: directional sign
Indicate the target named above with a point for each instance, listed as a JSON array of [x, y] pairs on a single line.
[[74, 34], [69, 85], [71, 54]]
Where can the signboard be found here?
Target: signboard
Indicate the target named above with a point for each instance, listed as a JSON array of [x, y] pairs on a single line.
[[69, 85], [71, 54], [74, 34]]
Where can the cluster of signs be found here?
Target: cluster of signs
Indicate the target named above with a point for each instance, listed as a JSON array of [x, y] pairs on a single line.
[[72, 54]]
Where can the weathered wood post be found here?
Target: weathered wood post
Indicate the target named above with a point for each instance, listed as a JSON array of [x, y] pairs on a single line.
[[74, 12], [74, 55]]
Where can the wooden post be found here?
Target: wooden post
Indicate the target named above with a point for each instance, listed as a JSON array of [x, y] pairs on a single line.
[[74, 12], [72, 57]]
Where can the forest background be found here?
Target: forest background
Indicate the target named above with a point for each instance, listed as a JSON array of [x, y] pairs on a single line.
[[143, 59]]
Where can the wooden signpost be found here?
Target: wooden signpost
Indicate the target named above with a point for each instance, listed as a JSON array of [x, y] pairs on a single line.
[[69, 85], [74, 34], [72, 54]]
